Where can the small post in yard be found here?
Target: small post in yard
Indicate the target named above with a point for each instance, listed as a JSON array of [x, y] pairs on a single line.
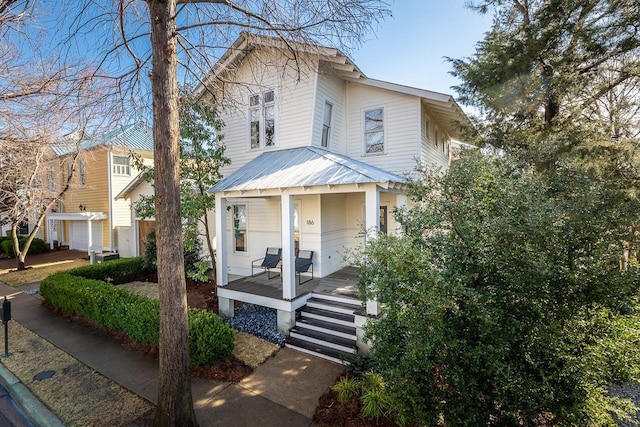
[[6, 316]]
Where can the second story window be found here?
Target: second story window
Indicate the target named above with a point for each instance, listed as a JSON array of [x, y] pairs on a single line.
[[374, 131], [82, 172], [326, 124], [121, 165], [262, 119]]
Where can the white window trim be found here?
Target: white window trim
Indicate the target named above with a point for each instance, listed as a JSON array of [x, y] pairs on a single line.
[[122, 170], [246, 229], [261, 108], [384, 131], [82, 172]]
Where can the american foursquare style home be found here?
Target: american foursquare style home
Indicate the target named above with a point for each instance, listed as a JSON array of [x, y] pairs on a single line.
[[319, 154]]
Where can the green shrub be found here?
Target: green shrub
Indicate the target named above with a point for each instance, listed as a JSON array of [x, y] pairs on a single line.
[[375, 400], [2, 240], [37, 246], [81, 292], [210, 339], [116, 271]]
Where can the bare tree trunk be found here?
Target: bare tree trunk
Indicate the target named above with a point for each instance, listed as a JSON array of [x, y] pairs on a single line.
[[175, 405]]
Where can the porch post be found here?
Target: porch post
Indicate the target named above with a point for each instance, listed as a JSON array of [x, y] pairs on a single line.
[[225, 305], [401, 202], [221, 241], [90, 236], [288, 248], [372, 211], [372, 227]]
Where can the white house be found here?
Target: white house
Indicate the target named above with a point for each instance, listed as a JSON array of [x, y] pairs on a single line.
[[319, 153]]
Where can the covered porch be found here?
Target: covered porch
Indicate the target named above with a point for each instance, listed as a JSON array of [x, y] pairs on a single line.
[[296, 199]]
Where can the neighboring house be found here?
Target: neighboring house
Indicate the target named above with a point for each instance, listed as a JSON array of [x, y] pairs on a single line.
[[88, 217], [318, 155]]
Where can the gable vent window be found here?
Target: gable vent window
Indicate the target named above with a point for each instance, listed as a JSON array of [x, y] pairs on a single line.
[[262, 120], [121, 165], [374, 131]]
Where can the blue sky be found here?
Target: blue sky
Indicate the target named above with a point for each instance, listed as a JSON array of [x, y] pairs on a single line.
[[409, 48]]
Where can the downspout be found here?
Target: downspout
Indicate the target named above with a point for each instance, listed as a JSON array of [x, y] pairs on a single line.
[[110, 191]]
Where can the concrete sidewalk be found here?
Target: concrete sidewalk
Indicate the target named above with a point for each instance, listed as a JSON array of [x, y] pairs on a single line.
[[282, 391]]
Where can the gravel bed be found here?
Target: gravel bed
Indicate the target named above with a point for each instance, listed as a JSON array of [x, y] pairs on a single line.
[[261, 322]]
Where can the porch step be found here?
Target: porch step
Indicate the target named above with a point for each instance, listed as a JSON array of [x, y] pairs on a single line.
[[327, 316], [348, 332], [336, 306], [337, 298], [328, 340], [316, 349]]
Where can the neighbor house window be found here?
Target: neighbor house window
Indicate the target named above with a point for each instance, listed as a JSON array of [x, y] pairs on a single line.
[[262, 119], [326, 124], [240, 228], [427, 129], [51, 184], [374, 131], [69, 167], [82, 172], [121, 165]]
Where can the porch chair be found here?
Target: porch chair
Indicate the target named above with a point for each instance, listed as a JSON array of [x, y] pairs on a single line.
[[304, 264], [271, 260]]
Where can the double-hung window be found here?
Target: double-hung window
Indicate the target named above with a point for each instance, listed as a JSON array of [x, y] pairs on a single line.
[[374, 131], [262, 119], [326, 124]]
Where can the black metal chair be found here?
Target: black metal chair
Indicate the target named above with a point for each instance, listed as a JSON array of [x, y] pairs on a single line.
[[304, 264], [271, 261]]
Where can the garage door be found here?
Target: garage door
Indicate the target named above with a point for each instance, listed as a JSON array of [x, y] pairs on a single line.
[[80, 236]]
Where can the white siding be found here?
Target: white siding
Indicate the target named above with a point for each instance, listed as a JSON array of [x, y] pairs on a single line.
[[432, 155], [401, 127], [330, 89], [294, 95]]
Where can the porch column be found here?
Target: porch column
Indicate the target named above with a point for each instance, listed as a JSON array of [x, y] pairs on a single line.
[[90, 237], [372, 227], [288, 248], [225, 305], [401, 203], [372, 211]]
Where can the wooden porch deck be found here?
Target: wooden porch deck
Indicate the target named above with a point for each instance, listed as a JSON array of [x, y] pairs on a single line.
[[342, 283]]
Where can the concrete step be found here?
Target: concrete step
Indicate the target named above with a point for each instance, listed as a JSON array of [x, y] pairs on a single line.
[[337, 343], [327, 316], [348, 332], [316, 349]]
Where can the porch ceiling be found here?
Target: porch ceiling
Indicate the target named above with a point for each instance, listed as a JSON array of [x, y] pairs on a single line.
[[303, 167]]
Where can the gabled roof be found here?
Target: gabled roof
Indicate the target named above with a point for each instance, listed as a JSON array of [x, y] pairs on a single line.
[[303, 167], [443, 107], [330, 58], [136, 136], [131, 187]]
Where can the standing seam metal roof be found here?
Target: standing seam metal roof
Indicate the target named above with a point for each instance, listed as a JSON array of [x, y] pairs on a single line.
[[302, 167], [137, 136]]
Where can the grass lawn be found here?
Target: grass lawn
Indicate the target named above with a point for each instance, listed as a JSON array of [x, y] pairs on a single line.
[[38, 272]]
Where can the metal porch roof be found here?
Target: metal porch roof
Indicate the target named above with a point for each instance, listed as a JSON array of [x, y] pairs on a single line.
[[137, 136], [302, 167]]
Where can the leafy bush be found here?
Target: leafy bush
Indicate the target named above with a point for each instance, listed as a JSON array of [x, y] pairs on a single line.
[[2, 240], [258, 321], [37, 246], [195, 266], [370, 390], [210, 339], [503, 302]]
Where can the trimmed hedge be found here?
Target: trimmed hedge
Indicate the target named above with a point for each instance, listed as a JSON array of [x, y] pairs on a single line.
[[37, 246], [117, 271], [210, 339]]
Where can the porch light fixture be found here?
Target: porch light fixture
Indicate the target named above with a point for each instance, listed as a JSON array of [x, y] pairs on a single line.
[[82, 208]]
